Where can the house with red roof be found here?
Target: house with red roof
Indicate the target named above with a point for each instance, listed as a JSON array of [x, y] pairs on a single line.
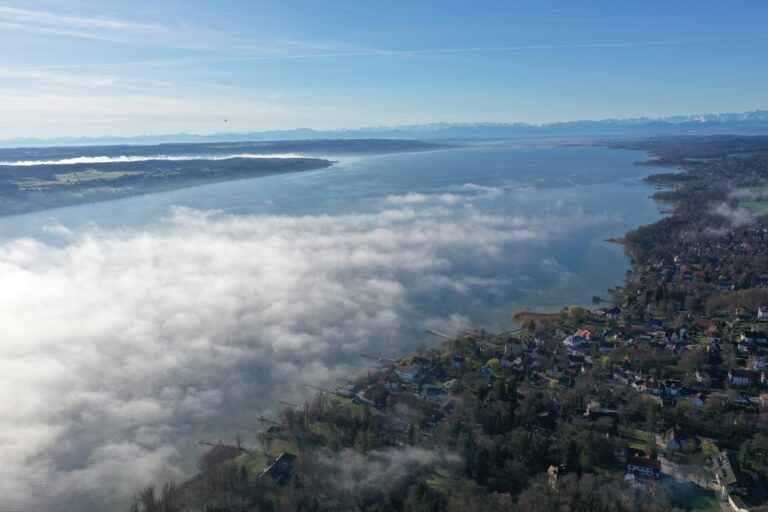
[[642, 466]]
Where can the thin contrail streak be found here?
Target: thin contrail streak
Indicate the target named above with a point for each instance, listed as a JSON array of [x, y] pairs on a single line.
[[385, 53]]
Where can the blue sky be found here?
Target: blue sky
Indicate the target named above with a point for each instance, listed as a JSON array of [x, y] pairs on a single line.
[[129, 67]]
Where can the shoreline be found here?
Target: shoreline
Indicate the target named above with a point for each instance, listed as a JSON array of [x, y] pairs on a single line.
[[521, 317], [24, 206], [26, 188], [622, 373]]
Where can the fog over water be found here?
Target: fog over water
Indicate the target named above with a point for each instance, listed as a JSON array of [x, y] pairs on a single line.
[[143, 158], [133, 328]]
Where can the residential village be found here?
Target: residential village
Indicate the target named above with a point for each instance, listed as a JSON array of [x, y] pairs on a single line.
[[655, 398], [652, 387], [674, 411]]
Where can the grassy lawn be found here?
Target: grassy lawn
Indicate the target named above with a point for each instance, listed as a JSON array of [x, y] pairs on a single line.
[[93, 175], [255, 461], [75, 178], [759, 206], [616, 470], [637, 439], [358, 409], [440, 481]]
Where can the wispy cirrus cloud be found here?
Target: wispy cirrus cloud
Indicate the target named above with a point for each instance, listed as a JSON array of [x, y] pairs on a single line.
[[171, 34], [46, 18], [33, 78], [89, 27], [291, 50]]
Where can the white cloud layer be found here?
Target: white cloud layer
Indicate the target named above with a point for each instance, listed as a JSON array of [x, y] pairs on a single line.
[[381, 470], [124, 159], [114, 343], [735, 215]]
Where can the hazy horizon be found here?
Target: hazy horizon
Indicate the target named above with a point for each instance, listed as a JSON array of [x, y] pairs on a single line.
[[675, 118]]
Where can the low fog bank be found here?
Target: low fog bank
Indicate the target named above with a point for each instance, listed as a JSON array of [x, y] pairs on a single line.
[[150, 158], [117, 344]]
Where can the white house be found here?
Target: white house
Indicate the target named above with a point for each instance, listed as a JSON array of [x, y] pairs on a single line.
[[757, 363], [645, 467], [740, 377], [391, 382], [754, 337], [739, 400], [515, 347], [574, 341], [677, 440]]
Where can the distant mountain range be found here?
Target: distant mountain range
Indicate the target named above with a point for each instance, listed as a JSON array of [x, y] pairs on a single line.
[[745, 123]]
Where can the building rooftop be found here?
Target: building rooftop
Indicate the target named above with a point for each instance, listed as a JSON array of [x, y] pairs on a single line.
[[725, 469], [280, 467]]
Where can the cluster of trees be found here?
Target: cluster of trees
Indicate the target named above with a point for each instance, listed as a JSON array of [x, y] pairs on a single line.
[[726, 247], [502, 434], [147, 500], [590, 492], [753, 454], [503, 446]]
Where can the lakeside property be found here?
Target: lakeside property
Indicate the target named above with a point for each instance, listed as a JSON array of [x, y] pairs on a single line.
[[463, 236], [655, 402]]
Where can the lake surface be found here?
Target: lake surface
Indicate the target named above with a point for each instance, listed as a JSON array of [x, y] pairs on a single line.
[[589, 182], [353, 182], [287, 282]]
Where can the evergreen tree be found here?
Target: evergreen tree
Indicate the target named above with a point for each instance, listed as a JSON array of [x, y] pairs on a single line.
[[501, 390], [482, 467]]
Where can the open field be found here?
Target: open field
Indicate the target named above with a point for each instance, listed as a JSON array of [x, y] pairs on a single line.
[[637, 439], [73, 178], [754, 199]]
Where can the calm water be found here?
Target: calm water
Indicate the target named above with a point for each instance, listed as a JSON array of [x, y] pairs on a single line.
[[454, 209], [586, 182]]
